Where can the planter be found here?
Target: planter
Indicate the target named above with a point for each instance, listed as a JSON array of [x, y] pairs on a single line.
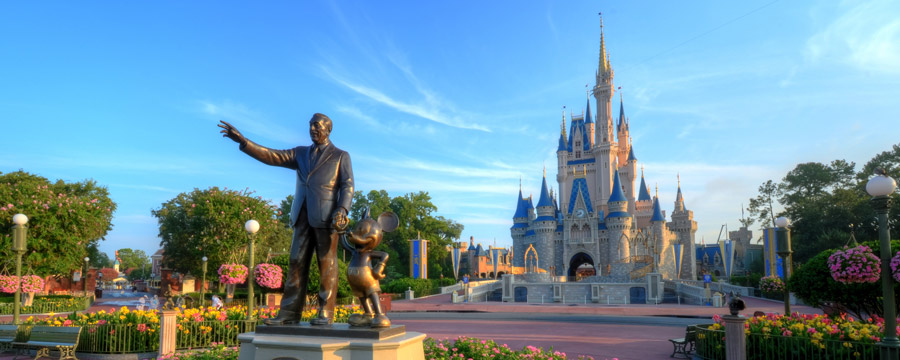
[[854, 265]]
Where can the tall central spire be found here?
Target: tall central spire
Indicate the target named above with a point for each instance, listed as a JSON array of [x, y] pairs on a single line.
[[604, 58]]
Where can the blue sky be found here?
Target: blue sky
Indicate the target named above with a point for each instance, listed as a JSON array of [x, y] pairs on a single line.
[[459, 99]]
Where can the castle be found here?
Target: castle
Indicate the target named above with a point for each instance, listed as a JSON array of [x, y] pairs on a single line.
[[601, 226]]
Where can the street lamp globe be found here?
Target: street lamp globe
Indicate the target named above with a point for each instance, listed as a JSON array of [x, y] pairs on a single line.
[[252, 226], [20, 219], [86, 259], [205, 258], [881, 185], [782, 222]]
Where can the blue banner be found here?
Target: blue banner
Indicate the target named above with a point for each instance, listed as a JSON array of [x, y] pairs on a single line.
[[415, 259], [455, 259], [726, 249]]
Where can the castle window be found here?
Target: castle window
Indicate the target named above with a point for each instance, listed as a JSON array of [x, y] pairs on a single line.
[[577, 154]]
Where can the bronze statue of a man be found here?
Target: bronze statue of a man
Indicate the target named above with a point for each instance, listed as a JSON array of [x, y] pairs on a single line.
[[321, 201]]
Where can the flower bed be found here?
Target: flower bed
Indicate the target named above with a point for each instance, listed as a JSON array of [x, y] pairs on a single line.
[[44, 305], [797, 337], [477, 349], [137, 331]]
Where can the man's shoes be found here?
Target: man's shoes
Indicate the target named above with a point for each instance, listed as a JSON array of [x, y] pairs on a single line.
[[283, 318], [360, 320], [381, 321], [324, 318]]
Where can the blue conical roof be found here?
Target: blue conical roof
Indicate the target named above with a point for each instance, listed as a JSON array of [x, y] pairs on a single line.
[[562, 143], [528, 204], [644, 194], [521, 210], [544, 200], [617, 193], [631, 156], [587, 114], [621, 113], [657, 213]]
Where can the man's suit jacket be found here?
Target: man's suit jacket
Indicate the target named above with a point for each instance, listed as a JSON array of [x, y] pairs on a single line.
[[323, 185]]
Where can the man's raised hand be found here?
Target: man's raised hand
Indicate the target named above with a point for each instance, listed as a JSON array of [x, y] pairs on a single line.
[[231, 133]]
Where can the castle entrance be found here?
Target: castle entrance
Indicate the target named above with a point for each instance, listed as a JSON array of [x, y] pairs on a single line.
[[581, 265]]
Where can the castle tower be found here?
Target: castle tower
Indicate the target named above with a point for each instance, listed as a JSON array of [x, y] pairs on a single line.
[[685, 228], [517, 231], [644, 205], [544, 227], [618, 223], [605, 147]]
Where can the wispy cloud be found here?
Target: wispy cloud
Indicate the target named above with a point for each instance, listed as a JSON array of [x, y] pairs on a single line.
[[146, 187], [866, 36], [430, 110]]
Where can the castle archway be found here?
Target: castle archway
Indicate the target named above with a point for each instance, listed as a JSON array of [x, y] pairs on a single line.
[[581, 265]]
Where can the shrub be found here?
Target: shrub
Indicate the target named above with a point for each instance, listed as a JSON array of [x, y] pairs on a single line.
[[813, 284], [771, 286], [232, 273], [472, 348]]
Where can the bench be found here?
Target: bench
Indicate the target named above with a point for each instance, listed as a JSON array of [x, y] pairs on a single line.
[[62, 339], [685, 345], [7, 336]]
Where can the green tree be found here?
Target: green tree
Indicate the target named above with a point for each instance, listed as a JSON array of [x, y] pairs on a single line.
[[761, 208], [210, 223], [415, 211], [98, 259], [133, 259], [65, 220]]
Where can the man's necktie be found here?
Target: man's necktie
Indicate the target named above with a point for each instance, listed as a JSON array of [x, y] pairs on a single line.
[[313, 155]]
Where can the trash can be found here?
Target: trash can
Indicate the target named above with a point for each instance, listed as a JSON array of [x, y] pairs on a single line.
[[98, 293], [718, 299]]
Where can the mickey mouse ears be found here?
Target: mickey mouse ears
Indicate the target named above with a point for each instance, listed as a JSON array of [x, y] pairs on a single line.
[[388, 221]]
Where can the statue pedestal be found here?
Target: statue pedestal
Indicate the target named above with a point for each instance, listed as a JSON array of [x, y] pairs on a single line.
[[338, 341]]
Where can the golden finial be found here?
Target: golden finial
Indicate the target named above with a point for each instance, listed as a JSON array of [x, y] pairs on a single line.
[[678, 175], [657, 190], [642, 171], [585, 170], [545, 169]]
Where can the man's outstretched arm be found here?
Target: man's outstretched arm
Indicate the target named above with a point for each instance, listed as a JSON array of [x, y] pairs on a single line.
[[283, 158]]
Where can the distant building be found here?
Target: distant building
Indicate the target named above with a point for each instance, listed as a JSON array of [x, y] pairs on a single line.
[[476, 262], [710, 259], [601, 225]]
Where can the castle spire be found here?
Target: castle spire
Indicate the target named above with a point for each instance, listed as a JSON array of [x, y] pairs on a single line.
[[617, 193], [644, 194], [679, 199], [604, 58], [621, 113], [657, 212], [544, 200], [587, 115]]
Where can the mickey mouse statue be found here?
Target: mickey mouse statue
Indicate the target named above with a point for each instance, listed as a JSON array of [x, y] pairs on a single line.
[[366, 267]]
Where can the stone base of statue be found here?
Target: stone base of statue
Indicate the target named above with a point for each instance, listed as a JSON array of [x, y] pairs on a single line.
[[337, 341]]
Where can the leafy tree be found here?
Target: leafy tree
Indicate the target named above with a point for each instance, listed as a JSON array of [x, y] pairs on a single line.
[[826, 203], [133, 259], [813, 284], [761, 207], [98, 259], [210, 223], [312, 286], [415, 211], [65, 220]]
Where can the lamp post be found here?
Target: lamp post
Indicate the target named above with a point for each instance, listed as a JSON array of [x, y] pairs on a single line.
[[252, 226], [84, 275], [881, 187], [783, 237], [19, 244], [203, 284]]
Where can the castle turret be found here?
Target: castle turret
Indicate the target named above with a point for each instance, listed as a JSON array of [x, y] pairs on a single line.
[[603, 92], [520, 226], [685, 228], [618, 222], [643, 205]]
